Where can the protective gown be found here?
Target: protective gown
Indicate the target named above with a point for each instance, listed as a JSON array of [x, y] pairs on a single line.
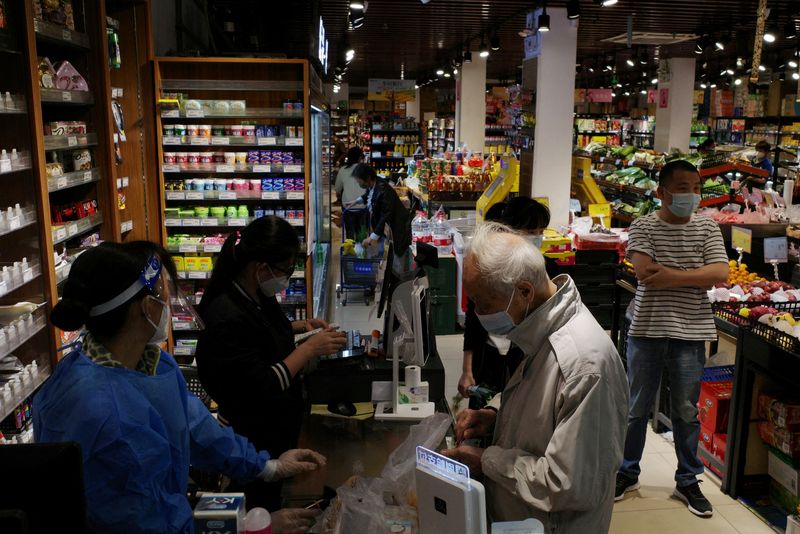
[[138, 435]]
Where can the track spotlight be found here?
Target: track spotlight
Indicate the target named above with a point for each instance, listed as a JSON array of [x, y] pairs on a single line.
[[654, 81], [769, 35], [573, 9], [605, 3], [703, 86], [792, 63], [439, 72], [795, 76], [790, 30], [357, 5], [357, 19], [737, 81], [544, 20], [762, 68], [630, 62], [446, 74], [467, 57], [494, 42], [644, 58], [483, 48]]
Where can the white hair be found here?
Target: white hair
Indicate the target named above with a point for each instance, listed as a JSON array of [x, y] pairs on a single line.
[[504, 258]]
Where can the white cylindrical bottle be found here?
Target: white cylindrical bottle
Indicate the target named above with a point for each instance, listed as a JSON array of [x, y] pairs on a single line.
[[258, 521]]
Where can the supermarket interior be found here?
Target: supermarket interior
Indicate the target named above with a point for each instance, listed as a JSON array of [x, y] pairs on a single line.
[[418, 266]]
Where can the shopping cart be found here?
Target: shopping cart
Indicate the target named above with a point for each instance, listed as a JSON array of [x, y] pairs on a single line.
[[357, 274]]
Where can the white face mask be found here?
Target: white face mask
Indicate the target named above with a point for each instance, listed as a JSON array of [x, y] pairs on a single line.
[[535, 240], [500, 323], [274, 285], [161, 332]]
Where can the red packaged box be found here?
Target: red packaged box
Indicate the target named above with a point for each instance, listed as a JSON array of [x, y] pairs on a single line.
[[720, 446], [714, 405], [782, 439], [781, 412], [706, 438]]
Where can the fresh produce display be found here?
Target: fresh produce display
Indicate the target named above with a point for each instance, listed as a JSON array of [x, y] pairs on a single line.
[[642, 207], [739, 274], [743, 286], [713, 187]]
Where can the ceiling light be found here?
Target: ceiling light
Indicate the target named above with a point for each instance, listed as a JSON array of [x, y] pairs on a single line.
[[484, 50], [627, 93], [357, 21], [424, 1], [544, 20], [446, 74], [605, 3], [713, 85], [630, 62], [737, 81], [762, 68], [573, 9], [644, 58], [795, 76], [455, 71], [654, 81], [769, 35], [349, 55], [468, 57], [703, 86], [790, 30], [698, 48], [357, 5], [494, 42], [643, 91], [729, 71], [793, 63], [439, 72], [719, 45], [613, 94]]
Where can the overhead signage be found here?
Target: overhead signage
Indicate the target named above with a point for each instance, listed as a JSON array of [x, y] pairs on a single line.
[[600, 96], [387, 90], [322, 50], [742, 238]]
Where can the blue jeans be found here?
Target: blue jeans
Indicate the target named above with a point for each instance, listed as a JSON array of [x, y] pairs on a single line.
[[684, 361]]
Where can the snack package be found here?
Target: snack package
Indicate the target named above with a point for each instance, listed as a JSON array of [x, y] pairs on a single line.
[[47, 74], [69, 79]]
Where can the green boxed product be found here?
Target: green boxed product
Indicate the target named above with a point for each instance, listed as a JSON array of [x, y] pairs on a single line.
[[231, 211], [217, 212], [201, 211], [171, 212], [186, 212], [243, 211]]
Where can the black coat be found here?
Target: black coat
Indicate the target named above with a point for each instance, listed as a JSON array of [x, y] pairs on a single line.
[[387, 209], [240, 363]]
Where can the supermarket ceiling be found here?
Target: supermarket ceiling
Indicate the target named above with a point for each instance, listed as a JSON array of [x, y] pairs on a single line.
[[409, 38]]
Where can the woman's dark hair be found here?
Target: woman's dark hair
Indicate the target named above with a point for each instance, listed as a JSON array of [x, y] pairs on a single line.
[[520, 213], [762, 146], [354, 155], [708, 144], [97, 276], [364, 172], [269, 239], [495, 213]]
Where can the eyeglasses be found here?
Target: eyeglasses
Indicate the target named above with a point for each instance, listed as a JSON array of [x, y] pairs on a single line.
[[288, 272]]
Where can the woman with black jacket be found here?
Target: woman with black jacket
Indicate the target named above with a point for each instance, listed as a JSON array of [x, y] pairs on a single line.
[[246, 357], [491, 360]]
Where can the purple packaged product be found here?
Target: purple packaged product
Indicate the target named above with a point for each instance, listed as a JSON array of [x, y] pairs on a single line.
[[288, 157], [253, 156], [267, 184], [265, 157], [300, 184], [270, 131]]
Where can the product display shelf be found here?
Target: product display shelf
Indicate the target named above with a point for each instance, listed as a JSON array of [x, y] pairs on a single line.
[[264, 87], [63, 232], [28, 384], [72, 179], [69, 142], [27, 275], [21, 226], [75, 98], [54, 33]]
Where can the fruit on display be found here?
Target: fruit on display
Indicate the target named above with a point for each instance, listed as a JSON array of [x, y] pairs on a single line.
[[744, 286], [739, 274]]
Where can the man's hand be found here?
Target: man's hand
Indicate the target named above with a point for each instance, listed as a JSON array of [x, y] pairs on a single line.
[[313, 324], [659, 277], [465, 382], [367, 243], [293, 520], [474, 424], [470, 456]]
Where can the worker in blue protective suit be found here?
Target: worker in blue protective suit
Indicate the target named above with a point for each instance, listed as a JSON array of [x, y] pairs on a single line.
[[125, 401]]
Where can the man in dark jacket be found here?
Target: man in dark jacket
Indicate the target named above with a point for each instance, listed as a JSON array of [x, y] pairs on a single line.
[[386, 210]]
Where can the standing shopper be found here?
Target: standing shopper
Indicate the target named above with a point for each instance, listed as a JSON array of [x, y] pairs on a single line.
[[126, 403], [246, 357], [677, 257], [347, 190]]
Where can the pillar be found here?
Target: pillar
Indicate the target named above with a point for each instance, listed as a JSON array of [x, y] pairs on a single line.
[[674, 103], [555, 95], [412, 108], [471, 104]]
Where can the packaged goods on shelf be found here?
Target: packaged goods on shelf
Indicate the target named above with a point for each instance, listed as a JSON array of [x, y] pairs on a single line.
[[785, 471], [784, 440], [782, 411], [714, 406]]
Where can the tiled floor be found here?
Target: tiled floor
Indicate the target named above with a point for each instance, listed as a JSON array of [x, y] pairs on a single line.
[[648, 510]]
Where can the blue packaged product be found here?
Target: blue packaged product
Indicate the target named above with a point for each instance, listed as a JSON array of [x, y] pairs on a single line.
[[258, 212], [261, 130], [253, 156], [271, 131], [266, 184], [268, 212], [265, 157], [280, 212], [278, 184]]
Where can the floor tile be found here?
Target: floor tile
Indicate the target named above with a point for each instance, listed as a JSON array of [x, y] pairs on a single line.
[[743, 520], [656, 488], [668, 522]]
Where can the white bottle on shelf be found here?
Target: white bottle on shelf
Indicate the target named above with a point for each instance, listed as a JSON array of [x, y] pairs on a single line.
[[14, 157], [3, 221], [9, 102], [18, 210], [5, 276]]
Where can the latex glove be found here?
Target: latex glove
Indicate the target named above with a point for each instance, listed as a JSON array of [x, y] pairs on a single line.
[[324, 343], [465, 382], [316, 323], [290, 463], [474, 424], [293, 520]]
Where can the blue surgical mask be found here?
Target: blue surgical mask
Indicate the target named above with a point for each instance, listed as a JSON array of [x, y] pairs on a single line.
[[499, 323], [535, 240], [684, 204]]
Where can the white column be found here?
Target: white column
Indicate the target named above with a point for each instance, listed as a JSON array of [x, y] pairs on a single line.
[[471, 104], [555, 95], [674, 122], [412, 108]]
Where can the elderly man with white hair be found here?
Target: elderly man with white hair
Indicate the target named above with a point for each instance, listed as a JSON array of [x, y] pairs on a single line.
[[560, 429]]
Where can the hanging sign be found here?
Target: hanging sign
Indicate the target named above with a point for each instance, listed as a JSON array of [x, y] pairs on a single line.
[[652, 96], [599, 96], [600, 210], [663, 98], [742, 238], [386, 90], [699, 97], [776, 250]]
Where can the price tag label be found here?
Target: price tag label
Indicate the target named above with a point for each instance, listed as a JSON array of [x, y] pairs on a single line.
[[191, 222], [197, 275], [237, 222], [211, 249], [66, 96], [173, 222], [171, 168], [72, 229], [270, 195], [66, 35], [176, 195], [262, 168], [87, 176], [220, 140], [14, 223], [294, 141], [27, 275], [182, 325], [776, 249], [182, 351], [226, 168], [187, 248], [600, 210], [742, 238], [72, 140], [209, 222], [61, 182], [295, 222], [227, 195], [295, 195], [35, 25], [60, 234], [263, 141], [195, 195], [202, 141], [171, 114], [5, 165], [575, 205], [172, 140], [195, 114], [292, 168]]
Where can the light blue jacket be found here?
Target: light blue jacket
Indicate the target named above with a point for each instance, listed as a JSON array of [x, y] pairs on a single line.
[[138, 435]]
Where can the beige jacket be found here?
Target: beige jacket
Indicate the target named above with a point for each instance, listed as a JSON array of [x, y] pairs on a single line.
[[560, 431]]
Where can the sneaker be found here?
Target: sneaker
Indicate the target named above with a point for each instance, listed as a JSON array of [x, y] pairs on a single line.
[[694, 499], [624, 485]]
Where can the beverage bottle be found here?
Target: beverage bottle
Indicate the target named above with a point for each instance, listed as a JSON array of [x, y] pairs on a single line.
[[421, 229], [442, 238]]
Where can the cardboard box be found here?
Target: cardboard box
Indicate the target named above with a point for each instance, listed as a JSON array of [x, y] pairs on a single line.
[[782, 498], [706, 438], [720, 446], [220, 512], [714, 405], [780, 438], [783, 470], [779, 410]]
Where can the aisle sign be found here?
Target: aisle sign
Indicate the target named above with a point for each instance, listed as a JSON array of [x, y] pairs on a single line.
[[663, 98], [600, 96], [387, 90], [742, 238], [776, 249], [600, 210]]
